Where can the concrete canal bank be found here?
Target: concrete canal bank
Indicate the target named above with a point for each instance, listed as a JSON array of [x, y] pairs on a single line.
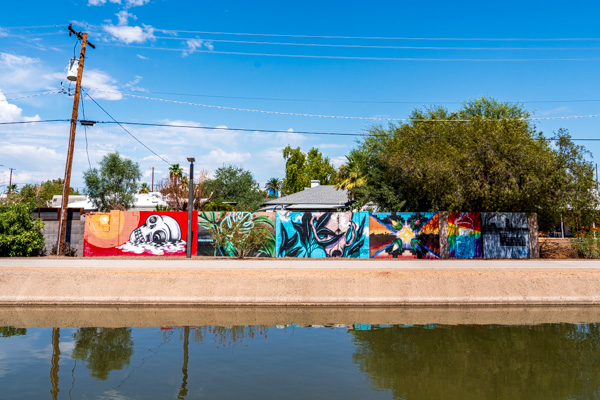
[[298, 282]]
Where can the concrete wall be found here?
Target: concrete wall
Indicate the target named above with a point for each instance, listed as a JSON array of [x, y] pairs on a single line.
[[74, 234], [316, 234]]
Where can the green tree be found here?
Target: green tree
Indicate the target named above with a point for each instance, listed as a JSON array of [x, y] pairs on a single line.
[[234, 184], [485, 157], [20, 234], [144, 188], [175, 173], [301, 168], [113, 186], [104, 349], [274, 185], [42, 194]]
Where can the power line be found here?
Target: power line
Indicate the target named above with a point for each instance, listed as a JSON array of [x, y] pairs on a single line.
[[332, 116], [120, 123], [341, 101], [379, 37], [355, 45], [298, 132], [34, 121], [125, 129], [33, 95], [354, 57], [32, 26]]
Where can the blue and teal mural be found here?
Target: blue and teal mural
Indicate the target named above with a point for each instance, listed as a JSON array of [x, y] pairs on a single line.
[[322, 234], [404, 235]]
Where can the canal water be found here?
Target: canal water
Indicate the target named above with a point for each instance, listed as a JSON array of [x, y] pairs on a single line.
[[300, 361]]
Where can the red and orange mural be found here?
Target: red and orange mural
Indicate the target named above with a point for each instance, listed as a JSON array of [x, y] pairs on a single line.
[[136, 233]]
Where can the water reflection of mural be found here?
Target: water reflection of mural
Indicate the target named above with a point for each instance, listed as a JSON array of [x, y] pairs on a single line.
[[211, 219], [135, 233], [505, 235], [404, 235], [464, 235], [322, 234]]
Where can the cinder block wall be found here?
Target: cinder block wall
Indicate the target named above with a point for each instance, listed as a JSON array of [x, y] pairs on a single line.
[[74, 234]]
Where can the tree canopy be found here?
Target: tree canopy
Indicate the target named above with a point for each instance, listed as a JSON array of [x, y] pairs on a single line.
[[301, 168], [234, 184], [486, 156], [42, 194], [20, 234], [114, 185]]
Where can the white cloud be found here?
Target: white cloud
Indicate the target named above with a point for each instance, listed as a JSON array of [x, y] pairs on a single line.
[[142, 57], [130, 34], [219, 156], [101, 85], [123, 17], [196, 44], [131, 85], [338, 161], [331, 146], [11, 112], [102, 2]]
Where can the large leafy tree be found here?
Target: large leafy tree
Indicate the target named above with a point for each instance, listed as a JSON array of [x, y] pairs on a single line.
[[114, 185], [301, 168], [234, 184], [42, 194], [485, 157]]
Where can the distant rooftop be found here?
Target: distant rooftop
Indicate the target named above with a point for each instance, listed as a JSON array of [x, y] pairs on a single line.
[[318, 195]]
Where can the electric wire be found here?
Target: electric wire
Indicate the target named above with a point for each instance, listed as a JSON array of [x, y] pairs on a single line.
[[358, 58], [345, 117], [341, 101], [125, 129], [175, 31], [204, 40], [33, 95], [85, 133]]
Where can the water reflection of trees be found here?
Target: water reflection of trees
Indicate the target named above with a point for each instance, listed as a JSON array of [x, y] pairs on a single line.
[[558, 361], [104, 349], [8, 331]]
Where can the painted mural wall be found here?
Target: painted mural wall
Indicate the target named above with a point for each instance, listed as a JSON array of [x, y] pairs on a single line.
[[213, 220], [404, 235], [311, 234], [505, 235], [135, 233], [464, 235], [322, 234]]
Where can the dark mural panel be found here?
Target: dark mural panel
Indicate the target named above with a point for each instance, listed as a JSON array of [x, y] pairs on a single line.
[[213, 219], [404, 235], [505, 235], [322, 234], [464, 235]]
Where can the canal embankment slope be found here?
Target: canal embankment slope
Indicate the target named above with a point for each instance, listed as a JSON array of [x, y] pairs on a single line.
[[297, 282]]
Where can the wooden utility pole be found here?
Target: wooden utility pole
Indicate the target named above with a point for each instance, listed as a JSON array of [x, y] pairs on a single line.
[[67, 180], [10, 180]]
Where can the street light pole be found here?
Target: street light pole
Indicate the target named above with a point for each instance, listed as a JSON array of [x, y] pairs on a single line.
[[190, 235]]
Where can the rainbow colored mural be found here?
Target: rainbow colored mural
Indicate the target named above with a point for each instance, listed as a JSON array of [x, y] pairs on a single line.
[[464, 235], [404, 235]]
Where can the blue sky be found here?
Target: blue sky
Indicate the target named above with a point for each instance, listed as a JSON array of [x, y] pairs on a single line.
[[177, 62]]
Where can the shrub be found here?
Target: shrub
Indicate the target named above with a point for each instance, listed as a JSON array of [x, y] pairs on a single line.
[[20, 234], [586, 243]]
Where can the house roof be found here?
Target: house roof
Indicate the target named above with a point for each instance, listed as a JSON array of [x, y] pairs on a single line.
[[321, 195]]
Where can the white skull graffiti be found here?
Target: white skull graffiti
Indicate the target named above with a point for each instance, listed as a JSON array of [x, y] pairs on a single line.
[[157, 229]]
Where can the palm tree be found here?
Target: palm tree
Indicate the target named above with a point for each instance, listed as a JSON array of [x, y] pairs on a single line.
[[350, 175], [144, 188], [185, 181], [175, 173], [274, 185]]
